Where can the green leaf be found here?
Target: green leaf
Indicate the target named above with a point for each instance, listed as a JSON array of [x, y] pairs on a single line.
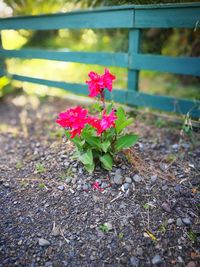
[[87, 158], [126, 141], [109, 108], [76, 140], [93, 141], [121, 118], [90, 167], [106, 161], [123, 125], [105, 145]]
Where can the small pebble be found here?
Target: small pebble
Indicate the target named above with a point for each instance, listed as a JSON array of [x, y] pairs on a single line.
[[170, 221], [137, 178], [191, 264], [85, 187], [61, 187], [154, 178], [134, 261], [43, 242], [108, 225], [140, 251], [125, 186], [166, 207], [128, 180], [186, 221], [118, 178], [164, 187], [179, 222], [157, 260], [104, 185]]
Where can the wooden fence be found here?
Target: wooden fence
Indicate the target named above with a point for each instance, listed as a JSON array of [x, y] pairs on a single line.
[[134, 18]]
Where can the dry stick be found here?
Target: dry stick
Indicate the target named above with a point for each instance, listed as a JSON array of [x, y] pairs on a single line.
[[141, 165]]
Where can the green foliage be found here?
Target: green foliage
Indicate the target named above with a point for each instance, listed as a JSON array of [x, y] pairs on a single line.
[[40, 168], [104, 228], [41, 185], [106, 161], [92, 148], [126, 141]]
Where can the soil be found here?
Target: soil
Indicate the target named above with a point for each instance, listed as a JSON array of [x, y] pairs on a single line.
[[51, 214]]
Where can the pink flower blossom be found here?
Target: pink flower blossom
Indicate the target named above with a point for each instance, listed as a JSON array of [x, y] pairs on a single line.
[[108, 78], [98, 83], [103, 124], [96, 186], [73, 119]]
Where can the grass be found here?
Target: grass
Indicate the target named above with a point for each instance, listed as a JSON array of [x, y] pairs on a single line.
[[40, 168]]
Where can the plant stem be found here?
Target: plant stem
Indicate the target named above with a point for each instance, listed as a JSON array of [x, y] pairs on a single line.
[[103, 98]]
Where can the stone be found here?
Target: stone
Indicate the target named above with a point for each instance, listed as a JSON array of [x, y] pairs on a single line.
[[170, 221], [157, 260], [66, 164], [74, 180], [104, 185], [178, 188], [186, 221], [7, 185], [85, 187], [134, 261], [166, 207], [43, 242], [137, 178], [79, 187], [55, 231], [154, 178], [179, 222], [128, 180], [164, 187], [61, 187], [191, 264], [118, 178], [126, 186], [109, 225], [48, 264], [139, 251]]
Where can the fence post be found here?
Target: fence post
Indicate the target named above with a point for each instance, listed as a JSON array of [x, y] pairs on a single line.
[[2, 61], [134, 47]]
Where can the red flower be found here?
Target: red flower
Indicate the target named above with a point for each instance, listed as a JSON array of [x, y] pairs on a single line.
[[96, 186], [98, 83], [74, 119], [105, 123], [108, 78]]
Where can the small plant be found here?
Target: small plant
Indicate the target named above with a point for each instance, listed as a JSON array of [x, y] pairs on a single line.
[[104, 228], [97, 138], [19, 165], [40, 168], [41, 185], [120, 235], [187, 126]]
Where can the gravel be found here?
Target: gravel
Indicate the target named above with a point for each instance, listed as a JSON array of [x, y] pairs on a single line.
[[137, 178], [72, 222]]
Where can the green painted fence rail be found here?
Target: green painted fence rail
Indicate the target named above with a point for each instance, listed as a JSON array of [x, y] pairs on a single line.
[[132, 17]]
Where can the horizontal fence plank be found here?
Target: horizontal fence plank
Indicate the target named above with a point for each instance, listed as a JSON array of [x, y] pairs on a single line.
[[164, 103], [185, 17], [73, 20], [129, 97], [105, 59], [178, 65], [82, 89], [73, 87]]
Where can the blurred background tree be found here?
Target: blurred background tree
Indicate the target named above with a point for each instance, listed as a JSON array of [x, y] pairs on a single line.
[[172, 42]]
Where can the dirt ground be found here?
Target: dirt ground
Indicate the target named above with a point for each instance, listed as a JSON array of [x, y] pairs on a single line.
[[146, 213]]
